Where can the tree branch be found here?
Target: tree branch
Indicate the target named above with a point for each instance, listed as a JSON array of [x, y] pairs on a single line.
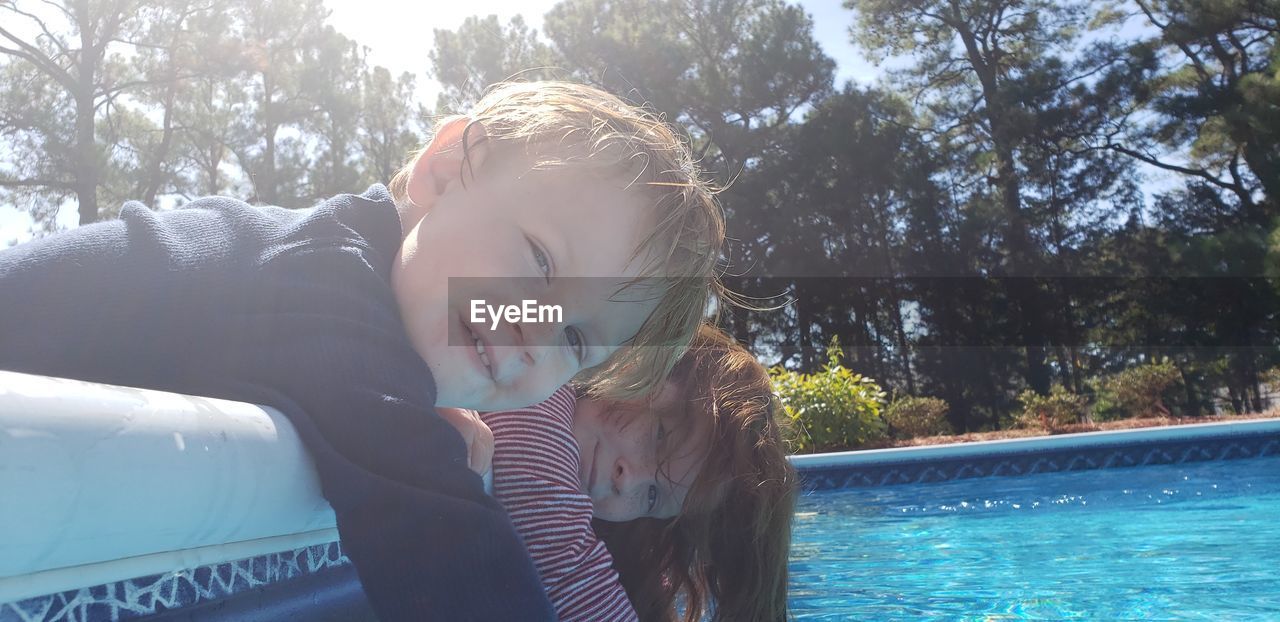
[[43, 28], [37, 57], [46, 183], [61, 9], [1205, 175], [1201, 70]]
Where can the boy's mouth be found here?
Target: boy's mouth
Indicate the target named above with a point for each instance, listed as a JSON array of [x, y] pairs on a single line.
[[481, 351]]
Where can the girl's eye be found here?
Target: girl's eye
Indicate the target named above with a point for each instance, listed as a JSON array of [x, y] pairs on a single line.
[[653, 497], [544, 264], [576, 342]]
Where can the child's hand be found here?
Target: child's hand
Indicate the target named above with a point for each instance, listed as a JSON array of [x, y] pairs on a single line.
[[478, 436]]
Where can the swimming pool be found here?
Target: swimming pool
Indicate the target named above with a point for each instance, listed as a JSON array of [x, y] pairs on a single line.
[[1192, 541], [1005, 528]]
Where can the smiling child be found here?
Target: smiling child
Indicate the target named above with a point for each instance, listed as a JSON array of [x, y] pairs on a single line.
[[343, 317]]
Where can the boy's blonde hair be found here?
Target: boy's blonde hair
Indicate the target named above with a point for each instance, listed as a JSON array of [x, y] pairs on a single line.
[[563, 124]]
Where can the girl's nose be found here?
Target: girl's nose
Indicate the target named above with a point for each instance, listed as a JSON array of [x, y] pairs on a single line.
[[624, 477]]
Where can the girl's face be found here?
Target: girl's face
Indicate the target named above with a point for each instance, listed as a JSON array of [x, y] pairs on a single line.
[[639, 457]]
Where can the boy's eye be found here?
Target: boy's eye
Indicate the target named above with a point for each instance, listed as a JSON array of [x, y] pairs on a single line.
[[576, 342], [539, 257], [653, 497]]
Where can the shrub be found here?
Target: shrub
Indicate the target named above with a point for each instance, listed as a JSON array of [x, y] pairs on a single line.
[[1105, 406], [918, 416], [1050, 412], [832, 409], [1139, 391], [1272, 376]]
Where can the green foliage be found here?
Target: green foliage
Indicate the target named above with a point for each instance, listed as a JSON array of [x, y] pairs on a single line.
[[830, 410], [483, 52], [1272, 377], [918, 416], [1105, 405], [732, 73], [1139, 391], [1050, 412]]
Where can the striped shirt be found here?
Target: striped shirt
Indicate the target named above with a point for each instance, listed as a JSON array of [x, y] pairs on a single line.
[[535, 467]]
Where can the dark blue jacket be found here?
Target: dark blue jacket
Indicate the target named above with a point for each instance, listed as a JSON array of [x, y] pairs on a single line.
[[292, 310]]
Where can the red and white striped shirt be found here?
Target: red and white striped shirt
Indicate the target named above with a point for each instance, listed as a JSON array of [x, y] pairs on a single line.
[[535, 476]]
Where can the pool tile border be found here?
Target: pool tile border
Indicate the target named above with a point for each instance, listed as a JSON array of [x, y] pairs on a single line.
[[1031, 456], [144, 596]]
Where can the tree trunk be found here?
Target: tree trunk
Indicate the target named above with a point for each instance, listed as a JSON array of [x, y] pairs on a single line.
[[904, 347], [804, 325], [87, 173], [86, 160], [1189, 389], [155, 177], [1018, 239], [265, 184]]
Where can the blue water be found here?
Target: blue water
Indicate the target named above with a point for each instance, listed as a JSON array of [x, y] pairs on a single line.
[[1185, 542]]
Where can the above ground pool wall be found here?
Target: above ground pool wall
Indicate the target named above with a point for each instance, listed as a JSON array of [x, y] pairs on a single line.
[[1046, 454], [123, 504], [105, 484]]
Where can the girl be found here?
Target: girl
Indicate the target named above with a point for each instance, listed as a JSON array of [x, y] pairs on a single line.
[[689, 489], [727, 550]]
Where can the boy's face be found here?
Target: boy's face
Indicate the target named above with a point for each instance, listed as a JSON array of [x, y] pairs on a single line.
[[533, 235], [639, 457]]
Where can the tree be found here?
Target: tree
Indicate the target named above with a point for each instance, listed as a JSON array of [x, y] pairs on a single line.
[[732, 72], [332, 72], [280, 38], [1214, 94], [998, 92], [482, 52], [65, 62], [180, 44], [208, 116], [389, 127]]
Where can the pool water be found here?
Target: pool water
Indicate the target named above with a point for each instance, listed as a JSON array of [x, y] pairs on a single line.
[[1196, 541]]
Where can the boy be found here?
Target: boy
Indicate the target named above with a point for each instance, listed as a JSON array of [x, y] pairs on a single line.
[[344, 319]]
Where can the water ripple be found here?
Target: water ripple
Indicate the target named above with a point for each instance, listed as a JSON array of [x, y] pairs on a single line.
[[1187, 542]]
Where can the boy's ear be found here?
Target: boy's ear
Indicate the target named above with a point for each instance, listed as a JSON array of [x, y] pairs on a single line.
[[444, 161]]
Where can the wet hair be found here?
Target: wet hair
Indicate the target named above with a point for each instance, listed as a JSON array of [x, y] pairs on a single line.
[[725, 554], [563, 125]]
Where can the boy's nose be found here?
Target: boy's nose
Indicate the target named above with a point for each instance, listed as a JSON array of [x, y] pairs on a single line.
[[537, 339]]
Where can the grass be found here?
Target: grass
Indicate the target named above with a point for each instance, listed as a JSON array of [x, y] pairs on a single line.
[[1121, 424]]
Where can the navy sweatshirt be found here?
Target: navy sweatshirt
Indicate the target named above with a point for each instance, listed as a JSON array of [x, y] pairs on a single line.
[[292, 310]]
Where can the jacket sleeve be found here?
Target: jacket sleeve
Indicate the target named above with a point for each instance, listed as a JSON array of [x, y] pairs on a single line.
[[535, 466]]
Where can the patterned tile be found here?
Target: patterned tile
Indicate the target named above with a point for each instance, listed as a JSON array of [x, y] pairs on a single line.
[[144, 596], [1025, 463]]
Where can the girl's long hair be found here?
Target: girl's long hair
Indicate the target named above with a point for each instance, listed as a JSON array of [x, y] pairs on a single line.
[[726, 553]]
